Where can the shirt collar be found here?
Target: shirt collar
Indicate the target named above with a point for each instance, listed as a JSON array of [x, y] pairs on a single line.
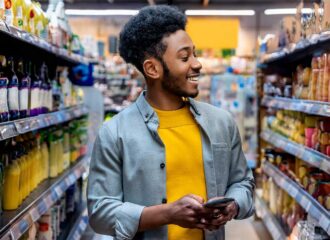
[[147, 111]]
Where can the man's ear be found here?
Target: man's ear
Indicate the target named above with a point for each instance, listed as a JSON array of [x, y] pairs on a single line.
[[152, 68]]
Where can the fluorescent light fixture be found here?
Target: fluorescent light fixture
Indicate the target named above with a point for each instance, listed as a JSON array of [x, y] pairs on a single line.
[[285, 11], [190, 12], [96, 12]]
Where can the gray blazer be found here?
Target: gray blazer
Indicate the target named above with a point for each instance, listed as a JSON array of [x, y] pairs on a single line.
[[125, 173]]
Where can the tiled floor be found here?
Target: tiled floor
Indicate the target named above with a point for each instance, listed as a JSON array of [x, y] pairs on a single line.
[[247, 229]]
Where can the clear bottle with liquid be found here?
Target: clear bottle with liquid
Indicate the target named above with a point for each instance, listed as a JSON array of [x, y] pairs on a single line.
[[53, 172], [13, 97], [23, 88], [4, 111], [34, 91]]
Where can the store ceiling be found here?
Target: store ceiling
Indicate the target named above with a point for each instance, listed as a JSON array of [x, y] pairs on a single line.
[[184, 4]]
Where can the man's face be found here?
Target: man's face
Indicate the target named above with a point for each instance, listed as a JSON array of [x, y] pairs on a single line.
[[180, 66]]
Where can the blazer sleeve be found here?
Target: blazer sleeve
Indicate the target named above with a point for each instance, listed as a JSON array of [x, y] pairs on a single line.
[[108, 214], [241, 182]]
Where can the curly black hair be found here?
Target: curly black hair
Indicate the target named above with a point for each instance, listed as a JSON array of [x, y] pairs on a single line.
[[142, 36]]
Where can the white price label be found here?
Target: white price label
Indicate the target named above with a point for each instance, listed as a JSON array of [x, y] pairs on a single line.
[[34, 214], [58, 191], [49, 201]]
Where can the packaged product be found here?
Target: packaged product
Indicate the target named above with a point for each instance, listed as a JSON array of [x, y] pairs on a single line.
[[314, 79], [326, 81]]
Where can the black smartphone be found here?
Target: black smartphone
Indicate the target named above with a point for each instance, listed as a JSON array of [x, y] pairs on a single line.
[[218, 202]]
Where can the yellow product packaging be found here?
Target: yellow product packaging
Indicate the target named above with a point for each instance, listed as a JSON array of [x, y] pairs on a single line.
[[11, 199], [38, 24], [18, 14]]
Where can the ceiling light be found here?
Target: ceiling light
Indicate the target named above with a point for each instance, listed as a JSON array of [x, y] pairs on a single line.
[[285, 11], [95, 12], [219, 12]]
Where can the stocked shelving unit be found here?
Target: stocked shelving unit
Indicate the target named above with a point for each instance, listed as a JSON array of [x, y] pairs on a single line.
[[311, 205], [309, 155], [17, 127], [310, 107], [268, 218], [20, 43], [284, 64], [80, 225], [14, 224]]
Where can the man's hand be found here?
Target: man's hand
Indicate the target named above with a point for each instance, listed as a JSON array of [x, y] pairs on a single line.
[[188, 212], [222, 216]]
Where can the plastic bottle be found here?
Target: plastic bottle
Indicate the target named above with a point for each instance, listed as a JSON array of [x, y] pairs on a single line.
[[11, 199], [18, 14], [30, 14], [9, 16], [2, 10], [44, 232], [66, 148], [4, 112], [44, 156], [35, 91], [60, 155], [13, 101], [53, 172], [38, 24], [23, 88]]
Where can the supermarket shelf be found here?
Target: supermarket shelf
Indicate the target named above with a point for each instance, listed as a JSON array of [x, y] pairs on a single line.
[[299, 54], [268, 218], [17, 127], [22, 44], [311, 107], [13, 224], [309, 155], [80, 226], [312, 206]]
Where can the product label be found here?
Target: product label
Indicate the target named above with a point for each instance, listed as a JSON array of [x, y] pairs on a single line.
[[39, 28], [9, 17], [23, 99], [35, 97], [13, 98], [19, 17], [31, 25], [13, 94], [2, 4], [3, 100]]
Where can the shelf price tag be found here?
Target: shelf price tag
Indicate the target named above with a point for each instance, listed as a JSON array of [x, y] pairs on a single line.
[[7, 131], [23, 125], [21, 227], [34, 214], [42, 207], [58, 191], [49, 201]]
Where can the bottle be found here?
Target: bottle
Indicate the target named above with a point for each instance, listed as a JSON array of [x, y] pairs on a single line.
[[4, 112], [18, 14], [53, 172], [23, 88], [34, 92], [44, 232], [30, 14], [11, 198], [38, 24], [44, 156], [66, 148], [9, 16], [59, 151], [13, 101]]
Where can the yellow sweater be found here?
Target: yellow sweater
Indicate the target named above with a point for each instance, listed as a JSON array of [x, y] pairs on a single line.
[[184, 162]]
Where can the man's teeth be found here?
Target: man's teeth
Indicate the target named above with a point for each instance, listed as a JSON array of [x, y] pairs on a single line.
[[194, 79]]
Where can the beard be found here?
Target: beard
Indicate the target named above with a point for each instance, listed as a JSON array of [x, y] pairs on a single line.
[[170, 83]]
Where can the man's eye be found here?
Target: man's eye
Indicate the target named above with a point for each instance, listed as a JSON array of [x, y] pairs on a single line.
[[195, 55], [185, 59]]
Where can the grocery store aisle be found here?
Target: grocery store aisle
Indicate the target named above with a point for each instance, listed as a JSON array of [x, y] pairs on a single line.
[[249, 229]]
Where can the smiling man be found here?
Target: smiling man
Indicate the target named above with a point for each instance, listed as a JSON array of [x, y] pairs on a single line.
[[156, 163]]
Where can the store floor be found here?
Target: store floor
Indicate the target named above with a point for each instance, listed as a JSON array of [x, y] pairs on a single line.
[[247, 229]]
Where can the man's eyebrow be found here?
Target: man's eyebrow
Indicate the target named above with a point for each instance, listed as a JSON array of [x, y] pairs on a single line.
[[186, 49]]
